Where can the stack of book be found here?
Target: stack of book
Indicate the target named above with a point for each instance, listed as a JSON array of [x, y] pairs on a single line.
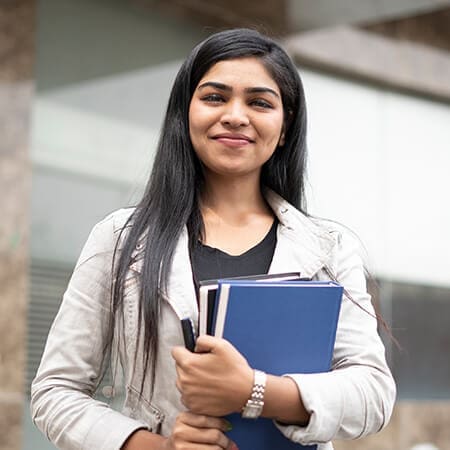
[[281, 324]]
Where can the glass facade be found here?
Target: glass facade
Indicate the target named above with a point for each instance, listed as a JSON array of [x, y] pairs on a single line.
[[421, 323]]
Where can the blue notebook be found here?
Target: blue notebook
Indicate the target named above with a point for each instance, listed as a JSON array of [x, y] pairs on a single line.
[[280, 328], [208, 290]]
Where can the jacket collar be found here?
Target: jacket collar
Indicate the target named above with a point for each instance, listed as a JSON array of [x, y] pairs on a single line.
[[309, 244], [303, 245]]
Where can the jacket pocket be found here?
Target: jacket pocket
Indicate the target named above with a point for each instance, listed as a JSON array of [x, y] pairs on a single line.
[[137, 407]]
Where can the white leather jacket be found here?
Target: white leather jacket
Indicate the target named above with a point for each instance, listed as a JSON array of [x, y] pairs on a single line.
[[354, 399]]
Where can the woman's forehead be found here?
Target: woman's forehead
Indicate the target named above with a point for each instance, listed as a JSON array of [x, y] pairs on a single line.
[[245, 72]]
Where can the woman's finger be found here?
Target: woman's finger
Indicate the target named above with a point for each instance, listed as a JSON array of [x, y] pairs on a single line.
[[211, 436], [202, 421], [199, 432], [180, 355], [206, 343], [178, 384]]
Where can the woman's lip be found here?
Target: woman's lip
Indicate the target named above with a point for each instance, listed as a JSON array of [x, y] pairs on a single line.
[[232, 136], [233, 141]]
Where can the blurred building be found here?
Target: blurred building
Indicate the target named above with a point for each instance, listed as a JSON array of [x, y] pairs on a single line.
[[83, 89]]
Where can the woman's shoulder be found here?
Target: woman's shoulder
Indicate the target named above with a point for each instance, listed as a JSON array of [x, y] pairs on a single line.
[[106, 233], [350, 250], [110, 227], [330, 226], [116, 220], [320, 235], [301, 222]]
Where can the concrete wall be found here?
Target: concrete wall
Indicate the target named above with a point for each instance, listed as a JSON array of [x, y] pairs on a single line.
[[412, 423], [16, 90]]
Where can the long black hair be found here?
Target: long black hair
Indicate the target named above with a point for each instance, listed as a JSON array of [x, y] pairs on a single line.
[[171, 198]]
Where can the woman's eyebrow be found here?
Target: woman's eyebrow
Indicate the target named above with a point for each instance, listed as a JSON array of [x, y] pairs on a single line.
[[258, 90], [215, 84], [250, 90]]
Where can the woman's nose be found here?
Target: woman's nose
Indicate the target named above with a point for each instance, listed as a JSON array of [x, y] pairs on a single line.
[[235, 115]]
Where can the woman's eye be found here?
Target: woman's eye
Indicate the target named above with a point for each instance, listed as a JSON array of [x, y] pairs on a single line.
[[213, 98], [260, 103]]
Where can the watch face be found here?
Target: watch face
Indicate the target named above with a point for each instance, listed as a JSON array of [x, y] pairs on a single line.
[[251, 412]]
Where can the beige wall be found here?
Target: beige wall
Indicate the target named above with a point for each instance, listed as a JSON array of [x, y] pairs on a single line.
[[412, 423], [430, 29], [16, 88]]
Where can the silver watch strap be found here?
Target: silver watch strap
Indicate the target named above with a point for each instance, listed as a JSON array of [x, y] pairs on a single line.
[[255, 404]]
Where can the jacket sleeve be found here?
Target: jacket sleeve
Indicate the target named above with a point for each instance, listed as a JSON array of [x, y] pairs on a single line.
[[357, 396], [62, 406]]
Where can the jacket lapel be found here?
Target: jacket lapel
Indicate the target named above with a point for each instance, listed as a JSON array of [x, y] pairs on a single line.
[[180, 292], [302, 245]]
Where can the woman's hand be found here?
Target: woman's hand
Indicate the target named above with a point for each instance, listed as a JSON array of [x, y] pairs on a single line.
[[190, 432], [198, 432], [216, 380]]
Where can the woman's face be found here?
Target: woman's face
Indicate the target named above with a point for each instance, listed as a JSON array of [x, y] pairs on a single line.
[[236, 117]]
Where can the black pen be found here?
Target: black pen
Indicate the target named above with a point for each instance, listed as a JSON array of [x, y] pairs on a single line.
[[188, 333]]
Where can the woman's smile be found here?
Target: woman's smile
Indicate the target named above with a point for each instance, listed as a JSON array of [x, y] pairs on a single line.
[[236, 106], [233, 139]]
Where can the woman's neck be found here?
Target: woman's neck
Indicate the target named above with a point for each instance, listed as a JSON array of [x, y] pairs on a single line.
[[235, 215], [233, 200]]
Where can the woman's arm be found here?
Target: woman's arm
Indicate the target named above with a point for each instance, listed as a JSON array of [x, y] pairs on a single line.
[[72, 366], [191, 431], [217, 380], [357, 397], [76, 351], [354, 399]]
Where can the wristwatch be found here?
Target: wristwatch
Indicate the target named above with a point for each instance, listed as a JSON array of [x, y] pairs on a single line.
[[254, 406]]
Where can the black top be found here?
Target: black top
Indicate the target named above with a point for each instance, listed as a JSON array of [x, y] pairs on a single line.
[[210, 263]]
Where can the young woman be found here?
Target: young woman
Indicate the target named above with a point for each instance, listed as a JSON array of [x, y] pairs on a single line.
[[225, 198]]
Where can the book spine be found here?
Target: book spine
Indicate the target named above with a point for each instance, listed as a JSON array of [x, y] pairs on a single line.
[[221, 310], [203, 313]]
